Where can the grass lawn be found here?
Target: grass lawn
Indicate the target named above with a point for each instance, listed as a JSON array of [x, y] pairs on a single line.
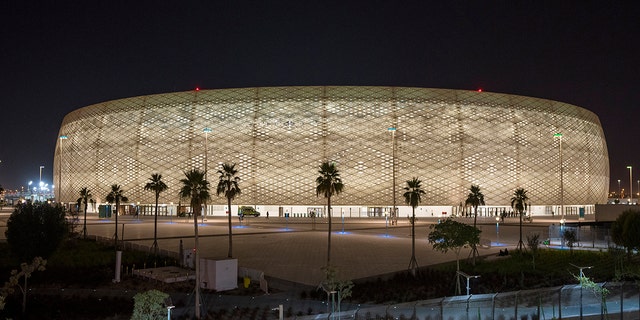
[[498, 274]]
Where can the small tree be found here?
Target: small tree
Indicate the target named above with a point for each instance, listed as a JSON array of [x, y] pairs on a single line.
[[36, 230], [453, 235], [597, 290], [332, 285], [625, 231], [533, 242], [149, 305], [570, 238], [38, 264]]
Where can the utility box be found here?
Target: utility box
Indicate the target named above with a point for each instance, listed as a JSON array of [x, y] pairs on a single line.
[[218, 274]]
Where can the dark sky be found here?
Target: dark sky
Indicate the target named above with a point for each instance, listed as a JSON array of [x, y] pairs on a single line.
[[57, 56]]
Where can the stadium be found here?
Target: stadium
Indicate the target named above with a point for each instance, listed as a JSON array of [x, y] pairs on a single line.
[[379, 137]]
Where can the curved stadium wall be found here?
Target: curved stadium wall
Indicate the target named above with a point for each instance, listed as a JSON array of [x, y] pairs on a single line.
[[278, 136]]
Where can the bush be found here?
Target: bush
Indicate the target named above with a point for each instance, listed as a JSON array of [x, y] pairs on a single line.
[[149, 305], [36, 230]]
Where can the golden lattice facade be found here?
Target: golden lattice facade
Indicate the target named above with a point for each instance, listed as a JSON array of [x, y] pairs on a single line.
[[278, 136]]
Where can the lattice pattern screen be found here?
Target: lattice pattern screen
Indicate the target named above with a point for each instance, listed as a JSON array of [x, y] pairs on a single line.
[[278, 137]]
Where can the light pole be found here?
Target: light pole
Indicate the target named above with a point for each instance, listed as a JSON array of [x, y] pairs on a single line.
[[40, 183], [393, 169], [630, 184], [619, 191], [498, 230], [206, 164], [559, 136], [581, 277], [468, 277], [62, 138]]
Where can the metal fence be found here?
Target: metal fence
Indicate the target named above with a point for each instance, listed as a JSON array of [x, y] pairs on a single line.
[[565, 302], [130, 245], [588, 236]]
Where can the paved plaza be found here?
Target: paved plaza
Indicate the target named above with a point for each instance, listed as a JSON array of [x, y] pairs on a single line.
[[295, 249]]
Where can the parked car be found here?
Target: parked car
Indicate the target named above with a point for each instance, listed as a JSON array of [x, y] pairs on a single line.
[[248, 211]]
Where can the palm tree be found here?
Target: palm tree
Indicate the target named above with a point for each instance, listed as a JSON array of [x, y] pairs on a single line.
[[519, 204], [412, 197], [157, 185], [228, 185], [328, 183], [196, 188], [475, 198], [116, 196], [85, 197]]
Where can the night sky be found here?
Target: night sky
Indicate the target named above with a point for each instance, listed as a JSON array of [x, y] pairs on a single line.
[[58, 56]]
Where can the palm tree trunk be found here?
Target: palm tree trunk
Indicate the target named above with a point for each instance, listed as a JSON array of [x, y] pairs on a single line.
[[329, 236], [230, 236], [116, 234], [155, 228], [475, 216], [84, 228], [474, 247], [520, 243], [413, 264], [197, 263]]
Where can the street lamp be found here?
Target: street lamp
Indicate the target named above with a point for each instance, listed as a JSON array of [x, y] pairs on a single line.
[[630, 184], [462, 274], [206, 164], [62, 138], [40, 183], [581, 277], [619, 190], [559, 136], [393, 169], [498, 230]]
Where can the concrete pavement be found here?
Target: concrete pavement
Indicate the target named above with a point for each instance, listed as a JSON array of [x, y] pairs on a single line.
[[295, 249]]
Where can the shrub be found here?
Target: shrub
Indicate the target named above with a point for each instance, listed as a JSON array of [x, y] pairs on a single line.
[[36, 230]]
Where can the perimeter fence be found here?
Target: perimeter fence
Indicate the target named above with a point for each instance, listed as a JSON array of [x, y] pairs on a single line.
[[564, 302]]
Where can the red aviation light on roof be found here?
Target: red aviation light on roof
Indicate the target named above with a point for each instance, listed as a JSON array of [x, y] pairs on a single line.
[[197, 88], [479, 89]]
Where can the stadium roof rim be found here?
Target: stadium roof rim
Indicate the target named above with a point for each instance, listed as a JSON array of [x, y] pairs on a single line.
[[372, 93]]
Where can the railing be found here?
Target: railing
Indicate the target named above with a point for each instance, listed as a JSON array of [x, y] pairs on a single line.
[[565, 302]]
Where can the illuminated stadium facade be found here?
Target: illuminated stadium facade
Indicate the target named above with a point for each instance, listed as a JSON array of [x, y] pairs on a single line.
[[278, 136]]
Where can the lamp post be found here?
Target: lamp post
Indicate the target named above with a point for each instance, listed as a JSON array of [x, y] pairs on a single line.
[[559, 136], [630, 184], [206, 164], [498, 230], [468, 277], [40, 184], [619, 191], [393, 169], [581, 277], [62, 138]]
